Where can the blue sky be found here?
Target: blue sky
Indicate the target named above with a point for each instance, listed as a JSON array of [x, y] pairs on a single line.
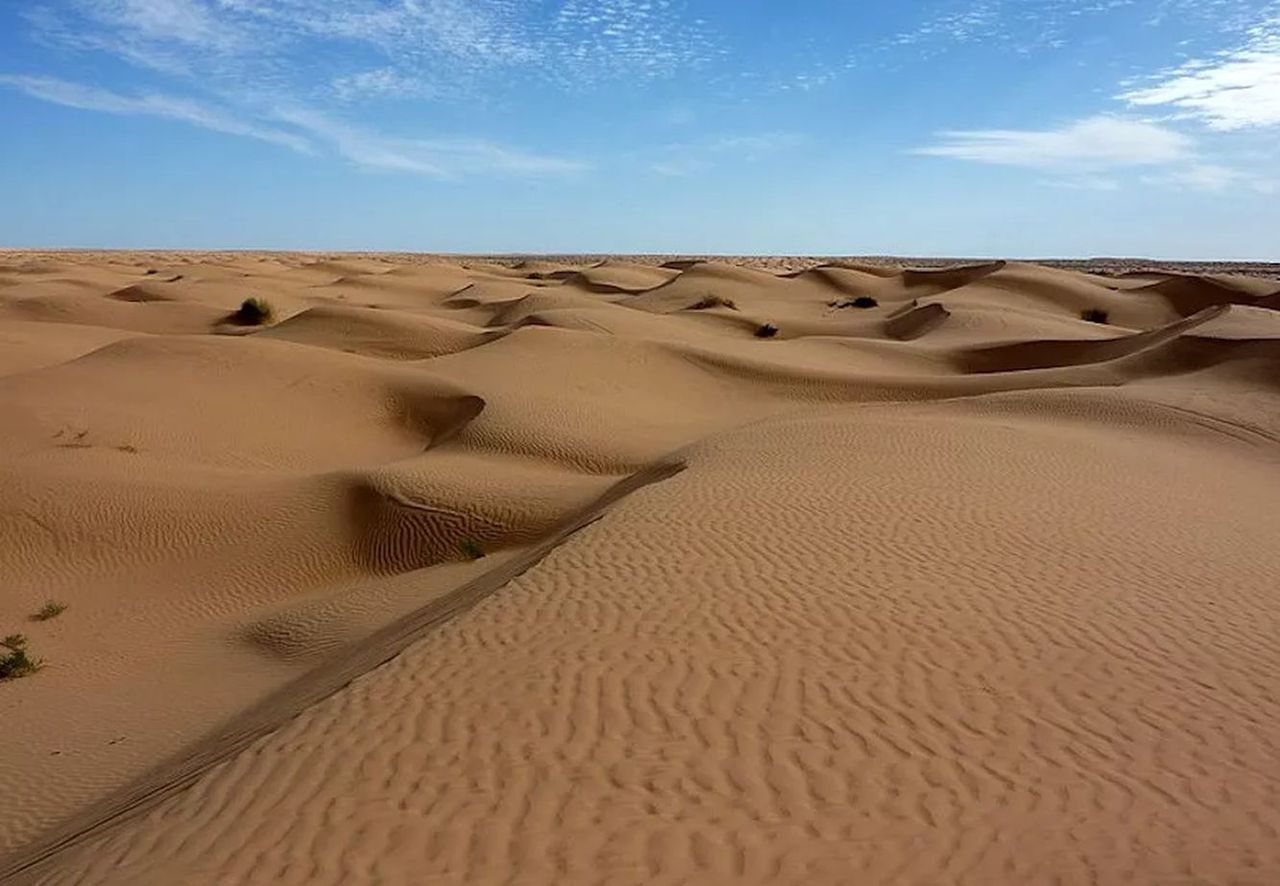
[[918, 127]]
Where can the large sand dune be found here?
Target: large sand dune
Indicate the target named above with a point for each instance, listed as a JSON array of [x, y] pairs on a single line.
[[949, 586]]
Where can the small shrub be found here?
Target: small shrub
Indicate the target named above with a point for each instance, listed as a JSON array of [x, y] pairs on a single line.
[[51, 609], [253, 312], [862, 301], [713, 301], [766, 330], [16, 663], [1094, 315], [471, 548]]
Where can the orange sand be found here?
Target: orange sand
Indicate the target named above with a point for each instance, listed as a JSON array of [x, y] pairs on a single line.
[[955, 589]]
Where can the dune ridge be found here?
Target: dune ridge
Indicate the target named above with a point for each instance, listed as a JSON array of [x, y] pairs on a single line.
[[475, 569]]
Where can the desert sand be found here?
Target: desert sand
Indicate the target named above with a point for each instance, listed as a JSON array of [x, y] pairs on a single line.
[[560, 571]]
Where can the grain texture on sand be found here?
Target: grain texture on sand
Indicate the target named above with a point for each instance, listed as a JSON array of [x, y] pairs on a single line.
[[986, 595], [849, 648]]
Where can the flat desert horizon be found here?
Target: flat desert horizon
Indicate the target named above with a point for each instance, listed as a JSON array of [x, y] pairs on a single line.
[[332, 568]]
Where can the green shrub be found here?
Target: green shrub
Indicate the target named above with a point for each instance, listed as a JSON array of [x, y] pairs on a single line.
[[471, 548], [253, 312], [766, 330], [15, 662]]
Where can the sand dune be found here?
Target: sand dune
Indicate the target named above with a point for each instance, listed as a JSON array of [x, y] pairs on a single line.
[[1042, 354], [542, 571], [374, 333]]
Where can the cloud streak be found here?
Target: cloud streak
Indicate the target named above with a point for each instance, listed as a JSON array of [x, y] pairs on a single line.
[[436, 158], [90, 98], [1088, 154], [679, 160], [1101, 142], [309, 129]]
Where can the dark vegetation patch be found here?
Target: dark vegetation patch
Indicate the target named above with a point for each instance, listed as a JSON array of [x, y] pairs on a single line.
[[253, 312], [15, 662], [713, 301], [862, 301]]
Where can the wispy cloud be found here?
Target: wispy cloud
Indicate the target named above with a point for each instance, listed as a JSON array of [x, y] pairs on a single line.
[[173, 36], [690, 158], [250, 58], [1015, 28], [1236, 89], [1100, 142], [89, 98], [932, 30], [437, 158], [1090, 154], [190, 22], [1213, 177], [1084, 183], [649, 38], [454, 42], [384, 82]]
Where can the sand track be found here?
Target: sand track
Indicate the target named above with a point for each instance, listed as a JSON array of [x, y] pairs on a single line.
[[954, 588], [173, 777]]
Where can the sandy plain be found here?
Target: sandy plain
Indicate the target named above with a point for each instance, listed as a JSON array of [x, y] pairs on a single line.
[[955, 587]]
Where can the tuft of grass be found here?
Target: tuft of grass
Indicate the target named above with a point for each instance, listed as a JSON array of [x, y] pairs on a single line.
[[766, 330], [16, 662], [1094, 315], [713, 301], [253, 312], [862, 301], [51, 609], [471, 548]]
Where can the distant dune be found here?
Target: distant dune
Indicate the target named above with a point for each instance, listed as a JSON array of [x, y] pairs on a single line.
[[566, 569]]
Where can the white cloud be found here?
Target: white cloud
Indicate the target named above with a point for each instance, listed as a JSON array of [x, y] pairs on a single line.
[[75, 95], [1086, 154], [380, 83], [1238, 89], [1212, 177], [1101, 142], [258, 56], [1084, 183], [693, 157], [186, 21], [594, 39], [456, 42], [173, 36], [1204, 177], [437, 158]]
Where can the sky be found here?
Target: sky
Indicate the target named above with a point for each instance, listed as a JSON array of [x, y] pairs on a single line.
[[1010, 128]]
